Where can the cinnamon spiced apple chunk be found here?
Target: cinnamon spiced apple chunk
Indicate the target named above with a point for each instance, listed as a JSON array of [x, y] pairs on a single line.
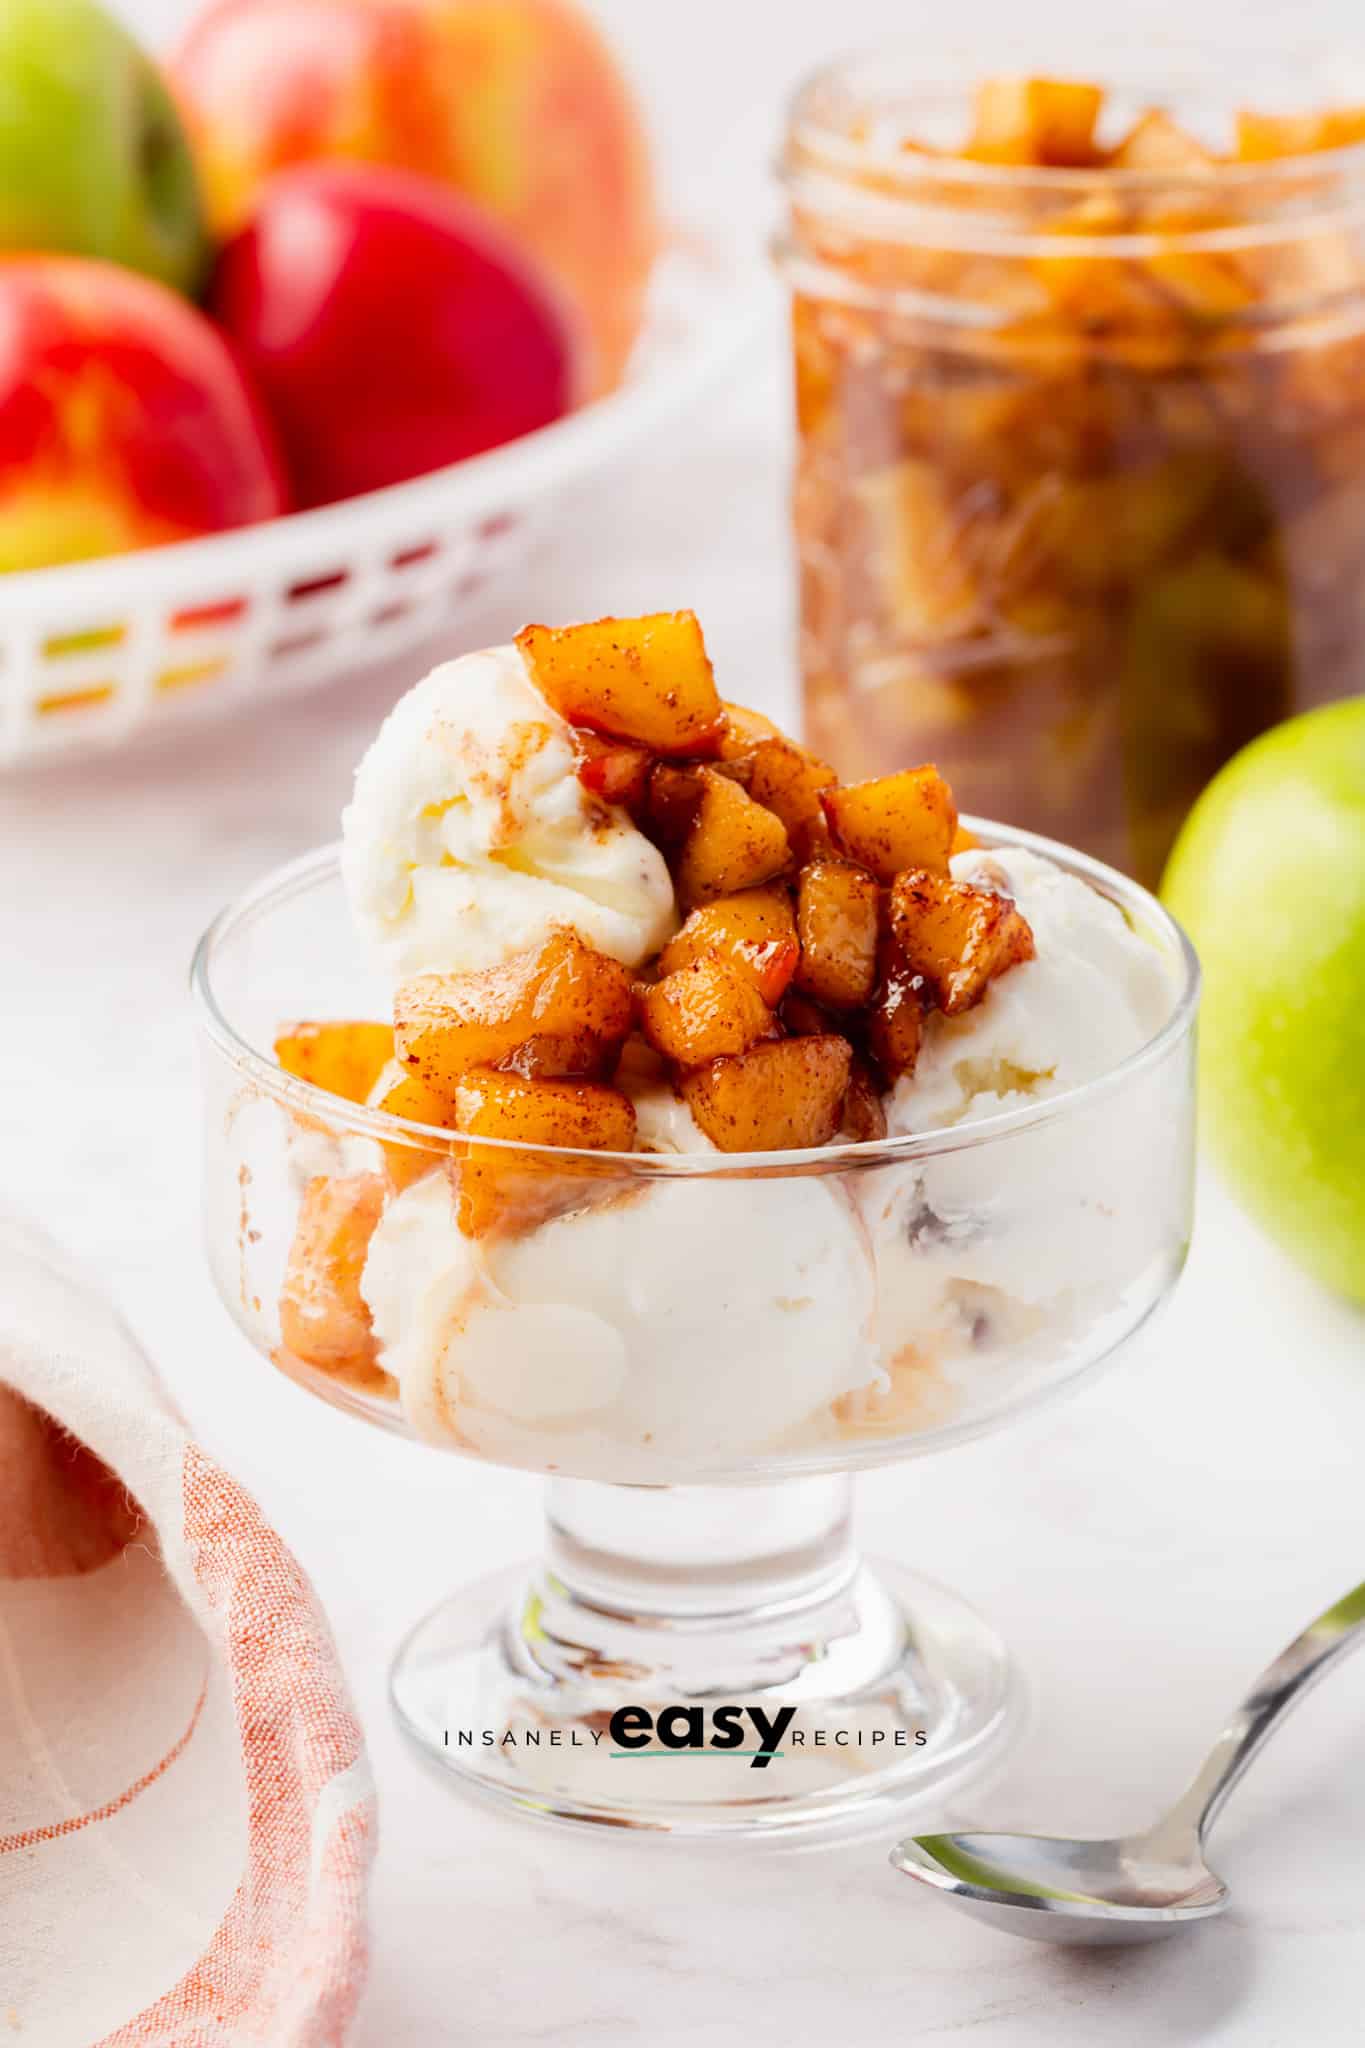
[[505, 1189], [401, 1092], [956, 936], [732, 841], [648, 680], [785, 778], [895, 822], [775, 1098], [754, 931], [703, 1011], [324, 1318], [838, 910], [345, 1059], [895, 1016], [559, 1008]]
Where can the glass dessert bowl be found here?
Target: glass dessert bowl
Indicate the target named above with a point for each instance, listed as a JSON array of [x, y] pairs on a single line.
[[698, 1346]]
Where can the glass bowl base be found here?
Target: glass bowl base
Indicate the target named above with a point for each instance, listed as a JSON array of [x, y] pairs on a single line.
[[822, 1713]]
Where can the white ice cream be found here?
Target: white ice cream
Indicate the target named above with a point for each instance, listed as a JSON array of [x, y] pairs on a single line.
[[470, 836], [981, 1253], [680, 1324]]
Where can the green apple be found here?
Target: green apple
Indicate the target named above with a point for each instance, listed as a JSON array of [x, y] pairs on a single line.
[[93, 159], [1268, 878]]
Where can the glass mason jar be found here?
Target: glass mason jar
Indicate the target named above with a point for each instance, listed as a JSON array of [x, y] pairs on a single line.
[[1080, 489]]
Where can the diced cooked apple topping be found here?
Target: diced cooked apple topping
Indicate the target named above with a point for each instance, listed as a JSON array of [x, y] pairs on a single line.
[[837, 916], [785, 778], [557, 1009], [755, 931], [345, 1059], [645, 679], [894, 822], [744, 729], [514, 1190], [777, 1097], [956, 936], [704, 1010], [895, 1017], [323, 1318], [864, 1119], [732, 842], [401, 1092]]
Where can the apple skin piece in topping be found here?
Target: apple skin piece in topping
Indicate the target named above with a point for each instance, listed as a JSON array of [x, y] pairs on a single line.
[[894, 822], [616, 771], [345, 1059], [512, 1191], [704, 1011], [647, 680], [323, 1316], [555, 1009], [778, 1097], [956, 936], [732, 843], [838, 910], [754, 931]]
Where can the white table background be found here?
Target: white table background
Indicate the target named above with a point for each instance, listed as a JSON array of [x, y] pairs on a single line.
[[1146, 1547]]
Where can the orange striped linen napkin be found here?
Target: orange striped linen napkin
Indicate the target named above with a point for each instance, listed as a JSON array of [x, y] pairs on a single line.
[[186, 1818]]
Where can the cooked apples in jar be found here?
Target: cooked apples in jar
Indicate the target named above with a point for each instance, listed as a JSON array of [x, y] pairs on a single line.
[[1080, 390]]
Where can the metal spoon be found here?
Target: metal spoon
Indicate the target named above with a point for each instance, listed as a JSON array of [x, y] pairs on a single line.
[[1136, 1887]]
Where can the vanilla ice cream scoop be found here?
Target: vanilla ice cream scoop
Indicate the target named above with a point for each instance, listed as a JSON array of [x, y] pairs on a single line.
[[980, 1253], [676, 1325], [470, 836]]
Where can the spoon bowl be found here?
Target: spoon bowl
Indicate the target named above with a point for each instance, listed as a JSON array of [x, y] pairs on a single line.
[[1047, 1888], [1131, 1887]]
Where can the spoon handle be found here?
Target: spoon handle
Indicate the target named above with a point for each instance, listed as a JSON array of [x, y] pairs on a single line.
[[1280, 1686]]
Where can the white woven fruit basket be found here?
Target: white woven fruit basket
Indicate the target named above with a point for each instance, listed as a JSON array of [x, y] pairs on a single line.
[[92, 653]]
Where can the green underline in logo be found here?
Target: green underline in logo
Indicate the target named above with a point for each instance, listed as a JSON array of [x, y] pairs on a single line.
[[697, 1752]]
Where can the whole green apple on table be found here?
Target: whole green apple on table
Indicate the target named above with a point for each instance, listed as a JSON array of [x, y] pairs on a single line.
[[1268, 877]]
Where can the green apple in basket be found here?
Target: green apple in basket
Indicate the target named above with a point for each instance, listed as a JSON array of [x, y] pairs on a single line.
[[93, 159], [1268, 877]]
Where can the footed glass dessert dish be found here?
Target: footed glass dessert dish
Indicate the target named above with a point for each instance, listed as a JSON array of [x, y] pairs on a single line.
[[698, 1348]]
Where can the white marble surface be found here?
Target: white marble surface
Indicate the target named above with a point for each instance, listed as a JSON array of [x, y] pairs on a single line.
[[1146, 1546]]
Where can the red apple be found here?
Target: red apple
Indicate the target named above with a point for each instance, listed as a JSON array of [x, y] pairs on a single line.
[[124, 419], [389, 328], [516, 103]]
